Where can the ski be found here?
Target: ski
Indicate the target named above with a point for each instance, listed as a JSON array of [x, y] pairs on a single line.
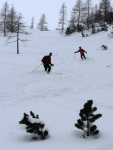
[[59, 73]]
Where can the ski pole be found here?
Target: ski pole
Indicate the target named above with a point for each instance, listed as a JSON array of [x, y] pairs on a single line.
[[35, 68], [87, 55], [74, 55]]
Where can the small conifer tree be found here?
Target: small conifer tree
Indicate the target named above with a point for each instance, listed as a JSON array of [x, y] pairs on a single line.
[[34, 125], [104, 47], [87, 118]]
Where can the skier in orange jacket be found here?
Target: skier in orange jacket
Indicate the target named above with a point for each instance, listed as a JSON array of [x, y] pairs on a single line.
[[81, 51]]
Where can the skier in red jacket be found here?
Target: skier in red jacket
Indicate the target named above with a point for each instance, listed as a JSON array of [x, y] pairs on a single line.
[[81, 51], [47, 62]]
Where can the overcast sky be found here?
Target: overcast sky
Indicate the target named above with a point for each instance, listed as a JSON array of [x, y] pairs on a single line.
[[35, 8]]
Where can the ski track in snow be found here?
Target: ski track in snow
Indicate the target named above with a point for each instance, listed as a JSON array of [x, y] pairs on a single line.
[[104, 146], [33, 88]]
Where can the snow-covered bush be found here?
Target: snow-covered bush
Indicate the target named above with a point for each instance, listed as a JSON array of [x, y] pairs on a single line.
[[87, 118], [34, 125], [110, 35], [104, 47]]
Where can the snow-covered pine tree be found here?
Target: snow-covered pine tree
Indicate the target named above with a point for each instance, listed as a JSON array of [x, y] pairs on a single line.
[[63, 15], [12, 19], [76, 14], [3, 18], [34, 126], [75, 18], [87, 118], [32, 23], [105, 7], [42, 25], [18, 28], [104, 47], [87, 9]]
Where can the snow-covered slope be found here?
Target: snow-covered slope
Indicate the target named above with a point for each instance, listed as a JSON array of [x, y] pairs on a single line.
[[57, 98]]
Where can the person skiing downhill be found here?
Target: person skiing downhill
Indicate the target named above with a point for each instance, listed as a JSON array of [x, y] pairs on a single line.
[[81, 51], [46, 60]]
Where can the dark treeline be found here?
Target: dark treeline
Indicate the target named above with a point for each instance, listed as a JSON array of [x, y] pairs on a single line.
[[85, 16]]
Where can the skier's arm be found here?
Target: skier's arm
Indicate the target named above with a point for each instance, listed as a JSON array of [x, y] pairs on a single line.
[[76, 51], [84, 51], [51, 63], [42, 59]]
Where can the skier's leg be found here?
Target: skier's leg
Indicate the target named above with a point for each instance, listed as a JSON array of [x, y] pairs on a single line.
[[84, 57], [81, 56], [45, 66], [49, 69]]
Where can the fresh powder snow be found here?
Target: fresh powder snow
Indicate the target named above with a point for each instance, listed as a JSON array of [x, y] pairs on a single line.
[[56, 97]]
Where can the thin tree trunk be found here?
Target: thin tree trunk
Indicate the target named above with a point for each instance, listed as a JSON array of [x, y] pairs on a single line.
[[18, 40], [79, 15], [88, 16], [4, 28]]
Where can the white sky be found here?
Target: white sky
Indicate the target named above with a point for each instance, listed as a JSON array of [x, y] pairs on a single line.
[[35, 8]]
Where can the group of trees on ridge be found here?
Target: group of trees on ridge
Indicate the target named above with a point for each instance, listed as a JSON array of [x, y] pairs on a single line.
[[81, 13], [83, 16], [10, 19]]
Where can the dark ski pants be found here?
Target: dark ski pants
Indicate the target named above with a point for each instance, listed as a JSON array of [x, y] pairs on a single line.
[[47, 67], [83, 56]]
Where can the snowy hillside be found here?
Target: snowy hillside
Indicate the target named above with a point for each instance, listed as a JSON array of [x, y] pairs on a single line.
[[56, 97]]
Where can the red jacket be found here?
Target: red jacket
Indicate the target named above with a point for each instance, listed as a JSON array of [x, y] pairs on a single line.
[[81, 51], [47, 60]]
